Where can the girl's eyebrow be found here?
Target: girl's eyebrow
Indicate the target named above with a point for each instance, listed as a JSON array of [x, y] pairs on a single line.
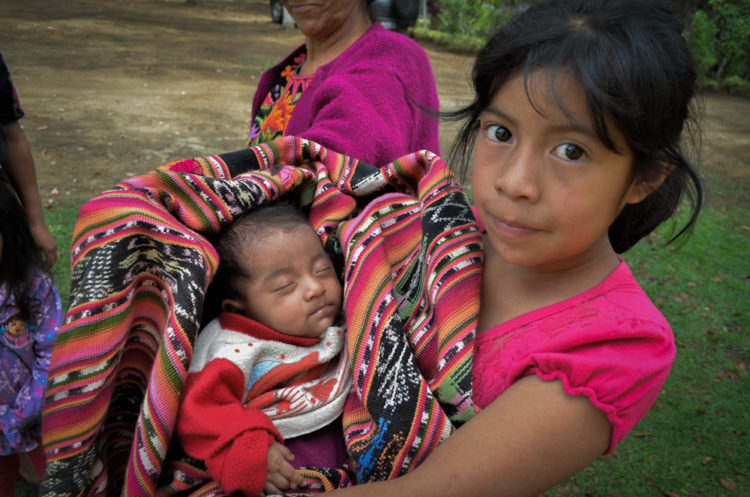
[[577, 127], [491, 109], [571, 124]]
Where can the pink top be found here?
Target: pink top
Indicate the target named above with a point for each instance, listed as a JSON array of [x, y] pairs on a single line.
[[609, 343]]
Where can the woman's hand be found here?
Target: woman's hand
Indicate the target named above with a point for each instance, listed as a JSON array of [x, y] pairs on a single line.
[[46, 242]]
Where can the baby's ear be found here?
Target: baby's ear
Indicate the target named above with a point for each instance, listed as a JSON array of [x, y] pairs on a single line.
[[232, 305], [648, 183]]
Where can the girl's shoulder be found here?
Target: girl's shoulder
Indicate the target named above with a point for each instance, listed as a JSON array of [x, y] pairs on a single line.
[[43, 285], [616, 298], [601, 326]]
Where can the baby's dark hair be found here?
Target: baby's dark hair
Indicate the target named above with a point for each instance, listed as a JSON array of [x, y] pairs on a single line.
[[636, 72], [236, 239], [21, 259]]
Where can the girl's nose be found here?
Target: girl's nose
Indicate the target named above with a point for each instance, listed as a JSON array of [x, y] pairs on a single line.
[[518, 175]]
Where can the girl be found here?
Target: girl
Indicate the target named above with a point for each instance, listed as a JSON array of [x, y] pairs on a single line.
[[30, 314], [575, 128]]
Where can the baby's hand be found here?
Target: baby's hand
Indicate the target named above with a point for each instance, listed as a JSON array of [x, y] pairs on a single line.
[[280, 472]]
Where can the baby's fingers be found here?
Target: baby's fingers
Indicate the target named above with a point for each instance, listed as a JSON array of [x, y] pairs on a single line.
[[283, 450], [290, 473], [280, 471], [271, 489]]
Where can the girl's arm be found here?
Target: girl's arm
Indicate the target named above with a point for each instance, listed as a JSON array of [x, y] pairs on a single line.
[[530, 438], [19, 166]]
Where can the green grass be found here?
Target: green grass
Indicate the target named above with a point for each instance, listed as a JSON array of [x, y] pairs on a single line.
[[256, 66], [61, 219], [694, 441], [458, 43]]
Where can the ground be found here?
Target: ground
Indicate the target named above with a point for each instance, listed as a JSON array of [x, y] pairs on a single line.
[[113, 89]]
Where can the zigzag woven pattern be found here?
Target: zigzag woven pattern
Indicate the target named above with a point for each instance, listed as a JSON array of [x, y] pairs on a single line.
[[410, 254]]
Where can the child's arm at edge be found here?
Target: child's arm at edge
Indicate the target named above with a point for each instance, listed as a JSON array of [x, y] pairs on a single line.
[[530, 438]]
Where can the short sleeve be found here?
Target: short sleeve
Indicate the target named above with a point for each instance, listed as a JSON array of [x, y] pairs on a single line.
[[615, 348], [621, 368]]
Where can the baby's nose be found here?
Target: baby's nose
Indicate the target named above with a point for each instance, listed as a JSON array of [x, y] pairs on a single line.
[[314, 287]]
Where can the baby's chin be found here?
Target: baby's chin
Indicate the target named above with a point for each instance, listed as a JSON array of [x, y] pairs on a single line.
[[320, 330], [319, 327]]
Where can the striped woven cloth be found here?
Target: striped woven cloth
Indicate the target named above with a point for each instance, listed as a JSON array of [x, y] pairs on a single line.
[[408, 248]]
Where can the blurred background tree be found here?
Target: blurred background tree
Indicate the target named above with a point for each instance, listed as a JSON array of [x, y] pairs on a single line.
[[720, 43], [718, 32]]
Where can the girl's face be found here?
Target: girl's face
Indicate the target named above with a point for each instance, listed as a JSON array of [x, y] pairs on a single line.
[[546, 188]]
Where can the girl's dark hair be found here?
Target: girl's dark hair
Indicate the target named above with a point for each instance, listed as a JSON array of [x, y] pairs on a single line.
[[636, 72], [21, 259], [236, 239]]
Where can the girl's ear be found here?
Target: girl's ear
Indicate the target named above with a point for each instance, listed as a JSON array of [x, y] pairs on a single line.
[[232, 305], [648, 183]]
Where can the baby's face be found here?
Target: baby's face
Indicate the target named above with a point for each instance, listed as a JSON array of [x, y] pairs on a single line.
[[294, 289]]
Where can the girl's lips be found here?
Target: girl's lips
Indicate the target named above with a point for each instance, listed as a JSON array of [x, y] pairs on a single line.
[[512, 230]]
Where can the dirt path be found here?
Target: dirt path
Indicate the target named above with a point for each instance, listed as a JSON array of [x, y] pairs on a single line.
[[113, 89]]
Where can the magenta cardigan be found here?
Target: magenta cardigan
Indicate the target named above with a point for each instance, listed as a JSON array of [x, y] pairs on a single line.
[[366, 103]]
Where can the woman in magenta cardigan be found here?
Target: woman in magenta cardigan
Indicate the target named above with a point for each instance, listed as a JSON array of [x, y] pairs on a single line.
[[353, 86]]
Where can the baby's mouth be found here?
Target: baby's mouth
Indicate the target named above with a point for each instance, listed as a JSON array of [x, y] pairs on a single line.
[[321, 309]]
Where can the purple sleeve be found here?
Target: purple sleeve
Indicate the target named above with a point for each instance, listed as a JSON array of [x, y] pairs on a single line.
[[370, 103], [369, 116], [47, 320]]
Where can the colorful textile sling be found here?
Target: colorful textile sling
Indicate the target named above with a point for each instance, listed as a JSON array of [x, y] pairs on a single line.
[[409, 250]]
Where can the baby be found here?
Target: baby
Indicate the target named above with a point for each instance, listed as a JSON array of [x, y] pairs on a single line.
[[272, 365]]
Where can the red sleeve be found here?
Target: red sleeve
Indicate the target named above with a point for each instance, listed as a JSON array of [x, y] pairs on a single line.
[[214, 425]]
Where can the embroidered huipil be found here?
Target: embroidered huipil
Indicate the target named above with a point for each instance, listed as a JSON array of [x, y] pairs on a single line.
[[276, 110]]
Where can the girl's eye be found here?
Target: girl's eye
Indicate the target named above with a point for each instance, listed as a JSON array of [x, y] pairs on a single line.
[[569, 151], [498, 133]]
